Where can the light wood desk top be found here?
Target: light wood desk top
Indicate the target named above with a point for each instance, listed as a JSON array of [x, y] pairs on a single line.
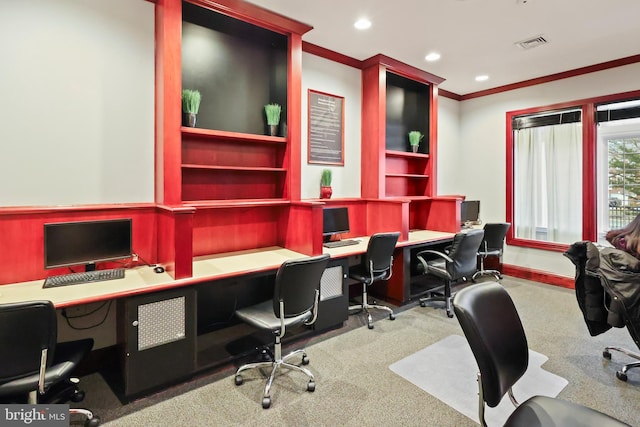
[[141, 280]]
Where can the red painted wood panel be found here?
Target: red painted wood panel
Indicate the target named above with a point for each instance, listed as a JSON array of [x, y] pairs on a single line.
[[373, 132], [230, 184], [22, 242], [303, 228], [444, 214], [293, 157], [385, 216], [236, 229], [168, 101], [230, 153]]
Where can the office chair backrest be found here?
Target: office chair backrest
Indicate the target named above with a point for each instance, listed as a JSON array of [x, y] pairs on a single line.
[[26, 328], [296, 284], [494, 331], [494, 235], [464, 252], [380, 252]]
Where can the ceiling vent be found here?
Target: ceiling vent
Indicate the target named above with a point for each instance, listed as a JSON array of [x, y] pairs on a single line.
[[532, 42]]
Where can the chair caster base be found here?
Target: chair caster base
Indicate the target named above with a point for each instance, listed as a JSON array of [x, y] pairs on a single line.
[[93, 422], [311, 386], [266, 402], [370, 325], [238, 380], [449, 314], [621, 375], [305, 360], [392, 316]]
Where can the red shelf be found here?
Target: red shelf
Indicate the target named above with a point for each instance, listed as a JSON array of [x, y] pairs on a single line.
[[411, 155], [235, 203], [219, 135], [233, 168], [406, 175]]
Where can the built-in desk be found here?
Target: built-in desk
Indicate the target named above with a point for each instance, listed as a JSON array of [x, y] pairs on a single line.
[[163, 324]]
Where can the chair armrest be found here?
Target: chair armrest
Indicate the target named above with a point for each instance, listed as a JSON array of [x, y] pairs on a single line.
[[425, 267]]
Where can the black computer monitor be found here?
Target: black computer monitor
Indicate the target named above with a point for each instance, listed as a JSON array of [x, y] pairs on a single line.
[[335, 221], [470, 212], [86, 242]]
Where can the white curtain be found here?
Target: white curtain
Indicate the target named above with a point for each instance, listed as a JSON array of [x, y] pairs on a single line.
[[548, 183]]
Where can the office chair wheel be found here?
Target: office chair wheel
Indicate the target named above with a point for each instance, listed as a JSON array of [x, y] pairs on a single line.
[[305, 360], [266, 402], [606, 354], [93, 422], [449, 314], [423, 304], [78, 396], [392, 317], [238, 380], [621, 375], [370, 325], [311, 386]]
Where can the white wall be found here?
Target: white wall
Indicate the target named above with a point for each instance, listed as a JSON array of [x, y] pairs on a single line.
[[479, 167], [449, 147], [76, 102], [341, 80]]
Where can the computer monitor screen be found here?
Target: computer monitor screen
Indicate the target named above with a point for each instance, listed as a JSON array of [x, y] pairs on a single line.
[[335, 221], [86, 242], [470, 212]]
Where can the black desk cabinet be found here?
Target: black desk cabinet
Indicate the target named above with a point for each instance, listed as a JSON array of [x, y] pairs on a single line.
[[158, 336]]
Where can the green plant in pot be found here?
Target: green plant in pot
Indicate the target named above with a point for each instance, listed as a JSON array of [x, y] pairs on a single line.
[[190, 106], [273, 117], [415, 136], [325, 184]]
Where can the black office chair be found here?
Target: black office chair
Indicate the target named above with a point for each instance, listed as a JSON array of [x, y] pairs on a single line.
[[376, 264], [295, 302], [33, 367], [492, 245], [459, 262], [495, 334]]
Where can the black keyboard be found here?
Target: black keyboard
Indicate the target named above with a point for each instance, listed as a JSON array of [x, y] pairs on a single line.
[[338, 243], [85, 277]]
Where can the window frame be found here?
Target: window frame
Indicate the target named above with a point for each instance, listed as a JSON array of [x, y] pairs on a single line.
[[589, 167]]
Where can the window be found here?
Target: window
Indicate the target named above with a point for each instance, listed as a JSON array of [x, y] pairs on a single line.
[[547, 151], [618, 136], [573, 170]]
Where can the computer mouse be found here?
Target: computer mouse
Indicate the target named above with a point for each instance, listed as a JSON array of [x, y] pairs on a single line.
[[158, 269]]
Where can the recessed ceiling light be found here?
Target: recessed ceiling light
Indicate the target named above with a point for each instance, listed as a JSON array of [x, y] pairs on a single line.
[[433, 56], [362, 24], [482, 78]]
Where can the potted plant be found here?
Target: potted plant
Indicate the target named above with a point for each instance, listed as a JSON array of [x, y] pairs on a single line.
[[325, 184], [415, 136], [273, 117], [190, 106]]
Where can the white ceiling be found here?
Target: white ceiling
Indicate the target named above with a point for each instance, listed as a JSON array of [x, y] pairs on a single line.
[[474, 36]]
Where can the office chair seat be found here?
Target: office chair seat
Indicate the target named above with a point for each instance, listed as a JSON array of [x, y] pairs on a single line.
[[295, 302], [376, 265], [457, 262], [67, 357], [499, 345], [261, 316], [34, 368], [492, 246]]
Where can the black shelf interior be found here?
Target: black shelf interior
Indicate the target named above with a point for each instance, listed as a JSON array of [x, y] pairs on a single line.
[[237, 67], [407, 109]]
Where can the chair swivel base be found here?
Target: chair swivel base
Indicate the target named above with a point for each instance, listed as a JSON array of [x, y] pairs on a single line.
[[480, 273], [437, 296], [622, 373], [366, 307], [276, 364]]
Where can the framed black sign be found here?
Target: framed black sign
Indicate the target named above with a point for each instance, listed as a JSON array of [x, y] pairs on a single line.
[[326, 128]]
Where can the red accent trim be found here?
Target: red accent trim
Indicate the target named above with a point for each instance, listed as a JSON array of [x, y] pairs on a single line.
[[450, 95], [331, 55], [432, 166], [293, 154], [538, 276], [553, 77], [402, 69], [256, 15]]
